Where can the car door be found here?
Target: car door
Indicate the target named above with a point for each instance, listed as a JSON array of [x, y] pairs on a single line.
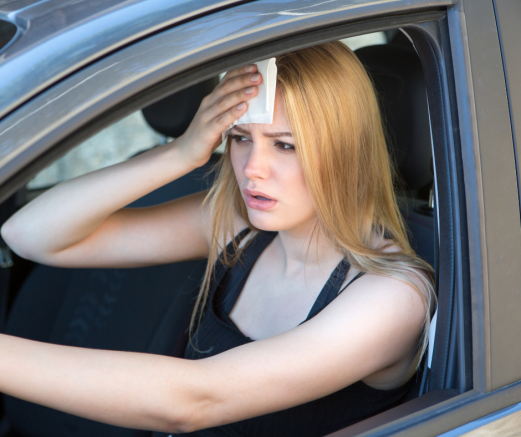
[[474, 368]]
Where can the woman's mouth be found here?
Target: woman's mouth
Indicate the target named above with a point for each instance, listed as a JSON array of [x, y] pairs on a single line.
[[257, 200]]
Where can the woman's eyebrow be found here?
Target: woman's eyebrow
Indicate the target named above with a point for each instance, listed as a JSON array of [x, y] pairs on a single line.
[[242, 131], [266, 134], [277, 134]]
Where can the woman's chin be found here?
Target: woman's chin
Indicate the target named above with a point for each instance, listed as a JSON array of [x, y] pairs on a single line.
[[265, 221]]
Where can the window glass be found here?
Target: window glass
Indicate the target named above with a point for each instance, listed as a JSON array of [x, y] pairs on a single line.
[[114, 144], [370, 39]]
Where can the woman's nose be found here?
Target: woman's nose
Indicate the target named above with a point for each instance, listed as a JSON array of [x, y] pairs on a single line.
[[257, 164]]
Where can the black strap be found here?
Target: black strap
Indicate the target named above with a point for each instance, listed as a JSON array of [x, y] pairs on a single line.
[[331, 289], [241, 270], [220, 269], [358, 276]]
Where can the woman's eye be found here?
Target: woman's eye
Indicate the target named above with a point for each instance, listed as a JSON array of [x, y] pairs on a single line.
[[239, 139], [284, 146]]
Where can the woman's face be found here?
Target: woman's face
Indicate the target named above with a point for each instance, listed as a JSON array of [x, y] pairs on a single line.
[[269, 174]]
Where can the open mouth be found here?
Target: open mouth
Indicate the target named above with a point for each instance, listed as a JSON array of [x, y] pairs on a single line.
[[258, 200], [261, 198]]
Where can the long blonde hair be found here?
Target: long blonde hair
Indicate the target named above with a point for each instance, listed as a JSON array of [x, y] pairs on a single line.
[[333, 113]]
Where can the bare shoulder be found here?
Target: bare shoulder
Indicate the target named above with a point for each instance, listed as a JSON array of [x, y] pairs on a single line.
[[376, 293], [383, 319]]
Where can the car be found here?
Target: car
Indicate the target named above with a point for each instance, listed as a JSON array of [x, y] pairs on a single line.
[[87, 83]]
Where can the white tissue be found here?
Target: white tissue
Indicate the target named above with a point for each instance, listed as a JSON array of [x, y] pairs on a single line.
[[260, 107]]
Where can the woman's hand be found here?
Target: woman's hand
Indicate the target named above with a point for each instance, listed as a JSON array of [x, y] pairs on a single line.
[[218, 110]]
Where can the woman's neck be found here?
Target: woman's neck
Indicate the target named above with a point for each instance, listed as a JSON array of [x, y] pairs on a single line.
[[306, 247]]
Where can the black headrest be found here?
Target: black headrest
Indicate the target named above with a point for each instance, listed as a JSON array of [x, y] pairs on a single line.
[[172, 115], [398, 77]]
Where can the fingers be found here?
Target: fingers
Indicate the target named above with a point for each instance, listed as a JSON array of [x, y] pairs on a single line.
[[204, 134], [221, 123], [229, 101], [251, 68], [226, 103], [215, 127], [233, 84]]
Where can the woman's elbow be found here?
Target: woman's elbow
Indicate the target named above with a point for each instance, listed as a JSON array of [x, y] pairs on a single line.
[[181, 420], [13, 237], [17, 239]]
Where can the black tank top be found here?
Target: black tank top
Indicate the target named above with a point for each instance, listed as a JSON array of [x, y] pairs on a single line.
[[218, 333]]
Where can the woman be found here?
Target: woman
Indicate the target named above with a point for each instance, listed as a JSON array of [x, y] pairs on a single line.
[[287, 326]]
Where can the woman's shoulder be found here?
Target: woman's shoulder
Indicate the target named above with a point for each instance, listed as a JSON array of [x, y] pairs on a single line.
[[385, 316]]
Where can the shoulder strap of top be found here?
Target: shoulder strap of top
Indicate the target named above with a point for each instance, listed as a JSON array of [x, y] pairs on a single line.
[[220, 269], [332, 288], [238, 238], [241, 269]]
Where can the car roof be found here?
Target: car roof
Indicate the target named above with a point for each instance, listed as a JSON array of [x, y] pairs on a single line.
[[57, 37]]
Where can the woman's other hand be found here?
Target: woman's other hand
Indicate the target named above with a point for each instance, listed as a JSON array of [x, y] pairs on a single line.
[[226, 103]]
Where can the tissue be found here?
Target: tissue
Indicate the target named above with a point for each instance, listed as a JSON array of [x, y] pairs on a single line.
[[260, 107]]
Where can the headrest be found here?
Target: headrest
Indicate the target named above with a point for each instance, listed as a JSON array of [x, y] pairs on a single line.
[[172, 115], [398, 77]]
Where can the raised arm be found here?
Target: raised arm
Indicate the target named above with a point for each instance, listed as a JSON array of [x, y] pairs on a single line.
[[83, 223]]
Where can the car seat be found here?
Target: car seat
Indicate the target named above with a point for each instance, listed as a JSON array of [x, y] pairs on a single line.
[[397, 75]]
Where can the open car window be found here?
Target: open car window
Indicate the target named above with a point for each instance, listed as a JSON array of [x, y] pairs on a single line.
[[113, 144], [117, 291], [132, 135]]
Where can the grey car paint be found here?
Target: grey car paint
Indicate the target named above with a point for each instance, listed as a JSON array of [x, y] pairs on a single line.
[[57, 37], [61, 37], [489, 154], [44, 118]]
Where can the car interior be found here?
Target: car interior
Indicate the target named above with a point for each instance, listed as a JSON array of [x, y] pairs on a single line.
[[148, 309]]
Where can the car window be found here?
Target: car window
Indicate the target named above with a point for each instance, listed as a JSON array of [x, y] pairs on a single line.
[[369, 39], [114, 144], [132, 135]]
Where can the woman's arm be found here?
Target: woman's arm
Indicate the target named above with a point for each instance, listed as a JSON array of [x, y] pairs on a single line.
[[370, 332], [81, 223]]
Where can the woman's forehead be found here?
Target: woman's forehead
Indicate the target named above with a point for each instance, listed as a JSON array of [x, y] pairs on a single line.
[[267, 130], [280, 126]]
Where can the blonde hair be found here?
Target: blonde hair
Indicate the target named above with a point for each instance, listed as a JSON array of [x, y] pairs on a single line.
[[333, 112]]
